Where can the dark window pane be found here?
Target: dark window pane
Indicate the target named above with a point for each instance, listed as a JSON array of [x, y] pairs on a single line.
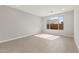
[[61, 20]]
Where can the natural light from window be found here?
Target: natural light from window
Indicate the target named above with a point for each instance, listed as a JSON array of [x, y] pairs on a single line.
[[55, 23], [47, 36]]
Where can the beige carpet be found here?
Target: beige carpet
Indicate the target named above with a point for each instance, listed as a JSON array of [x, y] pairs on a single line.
[[34, 44]]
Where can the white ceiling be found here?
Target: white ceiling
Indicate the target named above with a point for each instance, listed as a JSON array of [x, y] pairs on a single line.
[[43, 10]]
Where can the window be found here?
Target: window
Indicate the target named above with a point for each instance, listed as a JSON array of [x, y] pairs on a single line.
[[55, 23]]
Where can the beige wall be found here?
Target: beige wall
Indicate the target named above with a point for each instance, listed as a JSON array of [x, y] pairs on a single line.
[[15, 23], [76, 25]]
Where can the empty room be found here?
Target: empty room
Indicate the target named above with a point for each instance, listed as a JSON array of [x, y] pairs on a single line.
[[39, 28]]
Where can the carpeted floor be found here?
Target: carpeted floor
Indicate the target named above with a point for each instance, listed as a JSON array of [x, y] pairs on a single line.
[[35, 44]]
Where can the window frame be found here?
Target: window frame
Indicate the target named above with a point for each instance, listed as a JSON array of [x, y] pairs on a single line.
[[58, 22]]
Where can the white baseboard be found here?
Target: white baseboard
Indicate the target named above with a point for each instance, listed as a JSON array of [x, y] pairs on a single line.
[[16, 38]]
